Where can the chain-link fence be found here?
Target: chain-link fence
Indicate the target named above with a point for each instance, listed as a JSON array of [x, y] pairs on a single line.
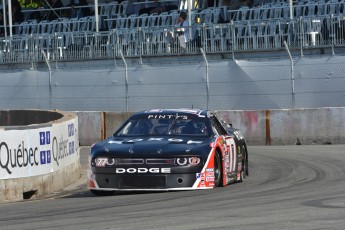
[[200, 81]]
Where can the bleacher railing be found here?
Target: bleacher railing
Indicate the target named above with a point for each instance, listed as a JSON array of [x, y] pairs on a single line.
[[238, 36]]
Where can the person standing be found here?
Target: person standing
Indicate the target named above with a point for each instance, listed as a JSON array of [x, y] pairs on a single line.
[[182, 30]]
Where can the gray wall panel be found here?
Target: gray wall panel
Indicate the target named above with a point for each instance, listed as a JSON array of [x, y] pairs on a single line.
[[233, 84]]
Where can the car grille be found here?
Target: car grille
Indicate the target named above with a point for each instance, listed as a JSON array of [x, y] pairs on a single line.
[[141, 161], [142, 182]]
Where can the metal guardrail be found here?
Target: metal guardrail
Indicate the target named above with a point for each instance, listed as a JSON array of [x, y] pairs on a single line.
[[302, 33]]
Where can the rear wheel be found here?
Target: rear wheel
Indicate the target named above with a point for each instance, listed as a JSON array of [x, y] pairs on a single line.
[[217, 170], [102, 192], [244, 168]]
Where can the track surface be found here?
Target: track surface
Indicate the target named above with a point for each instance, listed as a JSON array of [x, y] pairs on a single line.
[[289, 187]]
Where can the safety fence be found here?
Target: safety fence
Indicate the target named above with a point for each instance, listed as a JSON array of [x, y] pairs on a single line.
[[244, 36]]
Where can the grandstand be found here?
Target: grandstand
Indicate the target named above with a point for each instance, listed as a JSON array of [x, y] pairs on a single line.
[[216, 29]]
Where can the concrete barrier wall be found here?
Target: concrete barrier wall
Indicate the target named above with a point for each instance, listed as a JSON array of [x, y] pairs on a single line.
[[260, 127], [38, 159]]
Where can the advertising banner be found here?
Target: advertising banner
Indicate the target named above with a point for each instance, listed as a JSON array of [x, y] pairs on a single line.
[[37, 151]]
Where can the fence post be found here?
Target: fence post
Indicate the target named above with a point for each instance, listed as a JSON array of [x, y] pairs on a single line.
[[50, 78], [207, 80], [126, 78], [292, 75]]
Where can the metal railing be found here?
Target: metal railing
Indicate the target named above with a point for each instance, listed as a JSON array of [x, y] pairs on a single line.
[[302, 33]]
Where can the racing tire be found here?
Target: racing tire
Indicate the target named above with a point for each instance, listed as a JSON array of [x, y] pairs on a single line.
[[102, 192], [244, 168], [218, 175]]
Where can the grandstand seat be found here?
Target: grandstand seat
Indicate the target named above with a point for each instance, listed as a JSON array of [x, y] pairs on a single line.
[[265, 11], [54, 26], [120, 23], [43, 26], [120, 10], [256, 13], [332, 7], [123, 8], [143, 20], [83, 24], [273, 35], [74, 24], [320, 8], [342, 7], [105, 11], [243, 14], [309, 9], [22, 28], [216, 12], [152, 20], [223, 13], [132, 21], [164, 19], [173, 14], [276, 11], [206, 16]]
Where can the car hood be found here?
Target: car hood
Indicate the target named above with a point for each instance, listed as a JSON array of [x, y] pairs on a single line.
[[152, 146]]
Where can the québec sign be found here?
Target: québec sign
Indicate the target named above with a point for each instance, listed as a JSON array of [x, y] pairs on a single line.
[[25, 153]]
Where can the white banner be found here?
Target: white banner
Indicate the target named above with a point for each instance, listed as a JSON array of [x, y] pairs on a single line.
[[37, 151]]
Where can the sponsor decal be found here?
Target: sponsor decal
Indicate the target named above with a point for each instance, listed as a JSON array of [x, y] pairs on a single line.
[[142, 170], [239, 135], [209, 170], [209, 174], [101, 162], [114, 142], [167, 116], [193, 142], [22, 156], [200, 176], [18, 157], [209, 179], [155, 139]]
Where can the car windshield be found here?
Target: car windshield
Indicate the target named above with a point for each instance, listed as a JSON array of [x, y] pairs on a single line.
[[149, 124]]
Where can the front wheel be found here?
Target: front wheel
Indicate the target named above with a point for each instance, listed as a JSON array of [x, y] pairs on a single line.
[[217, 170]]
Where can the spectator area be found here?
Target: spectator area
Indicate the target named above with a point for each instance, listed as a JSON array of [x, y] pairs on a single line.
[[218, 28], [113, 15]]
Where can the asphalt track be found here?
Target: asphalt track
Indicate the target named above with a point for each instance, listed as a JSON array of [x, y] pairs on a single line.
[[289, 187]]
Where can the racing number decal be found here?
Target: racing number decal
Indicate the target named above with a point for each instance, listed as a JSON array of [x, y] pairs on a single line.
[[229, 160], [231, 145]]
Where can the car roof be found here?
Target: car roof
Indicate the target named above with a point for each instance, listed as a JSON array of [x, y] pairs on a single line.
[[198, 112]]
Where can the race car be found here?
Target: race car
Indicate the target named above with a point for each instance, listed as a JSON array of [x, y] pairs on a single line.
[[168, 149]]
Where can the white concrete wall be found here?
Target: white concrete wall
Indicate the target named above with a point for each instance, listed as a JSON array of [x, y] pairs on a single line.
[[39, 158], [260, 127]]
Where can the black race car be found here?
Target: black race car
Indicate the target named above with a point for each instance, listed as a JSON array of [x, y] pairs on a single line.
[[168, 149]]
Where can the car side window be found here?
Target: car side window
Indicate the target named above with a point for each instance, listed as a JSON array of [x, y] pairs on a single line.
[[219, 128]]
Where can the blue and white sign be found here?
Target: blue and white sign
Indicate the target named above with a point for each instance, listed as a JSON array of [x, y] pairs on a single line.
[[31, 152]]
